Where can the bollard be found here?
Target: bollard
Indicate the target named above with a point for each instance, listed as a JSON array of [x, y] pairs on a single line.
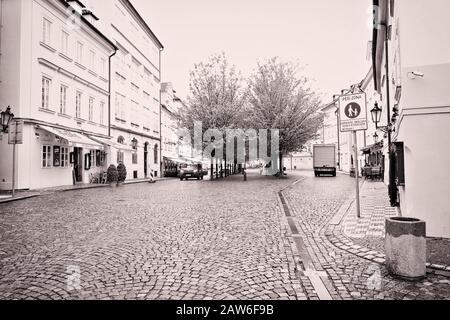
[[245, 176], [405, 246]]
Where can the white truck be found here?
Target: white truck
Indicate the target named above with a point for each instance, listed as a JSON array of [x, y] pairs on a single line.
[[324, 159]]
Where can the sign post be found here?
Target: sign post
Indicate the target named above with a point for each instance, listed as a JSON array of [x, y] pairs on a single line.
[[353, 118], [15, 136]]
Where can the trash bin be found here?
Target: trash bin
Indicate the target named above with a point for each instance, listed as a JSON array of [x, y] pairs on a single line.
[[405, 246]]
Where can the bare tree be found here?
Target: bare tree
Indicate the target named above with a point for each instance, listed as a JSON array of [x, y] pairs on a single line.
[[281, 99], [216, 97]]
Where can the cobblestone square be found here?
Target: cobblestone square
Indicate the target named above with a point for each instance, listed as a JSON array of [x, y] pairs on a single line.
[[227, 239]]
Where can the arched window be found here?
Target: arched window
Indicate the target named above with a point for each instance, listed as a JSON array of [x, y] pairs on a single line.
[[155, 153], [121, 140]]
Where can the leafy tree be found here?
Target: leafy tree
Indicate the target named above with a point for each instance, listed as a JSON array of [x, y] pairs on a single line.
[[216, 97], [281, 99]]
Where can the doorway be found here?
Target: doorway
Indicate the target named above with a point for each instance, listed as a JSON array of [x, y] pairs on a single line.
[[78, 164], [145, 159]]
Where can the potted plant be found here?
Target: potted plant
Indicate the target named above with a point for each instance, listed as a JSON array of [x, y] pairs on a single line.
[[122, 174], [112, 175]]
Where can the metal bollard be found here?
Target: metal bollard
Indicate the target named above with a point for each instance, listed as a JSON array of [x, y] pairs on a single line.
[[245, 176]]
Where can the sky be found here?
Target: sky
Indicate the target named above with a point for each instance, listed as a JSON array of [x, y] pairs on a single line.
[[328, 37]]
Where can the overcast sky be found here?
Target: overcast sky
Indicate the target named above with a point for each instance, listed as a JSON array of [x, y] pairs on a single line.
[[329, 37]]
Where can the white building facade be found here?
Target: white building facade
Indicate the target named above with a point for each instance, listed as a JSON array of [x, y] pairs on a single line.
[[135, 91], [55, 78], [419, 83]]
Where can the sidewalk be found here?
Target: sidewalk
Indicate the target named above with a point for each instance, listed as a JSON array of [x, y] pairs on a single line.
[[21, 195], [364, 237]]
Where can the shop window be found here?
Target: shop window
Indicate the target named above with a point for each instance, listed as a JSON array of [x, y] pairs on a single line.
[[64, 157], [46, 156], [93, 156], [87, 161]]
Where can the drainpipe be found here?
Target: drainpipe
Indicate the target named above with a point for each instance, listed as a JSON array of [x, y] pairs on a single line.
[[160, 118], [109, 91]]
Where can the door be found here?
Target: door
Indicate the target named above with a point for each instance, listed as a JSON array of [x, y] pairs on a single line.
[[145, 159], [78, 164]]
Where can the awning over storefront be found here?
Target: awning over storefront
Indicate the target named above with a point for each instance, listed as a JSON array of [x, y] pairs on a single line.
[[111, 143], [373, 148], [74, 139]]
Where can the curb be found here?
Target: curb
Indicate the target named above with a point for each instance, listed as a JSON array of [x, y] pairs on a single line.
[[339, 240], [7, 200]]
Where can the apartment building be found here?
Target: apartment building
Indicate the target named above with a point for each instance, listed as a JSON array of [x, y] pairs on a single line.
[[54, 75], [135, 91]]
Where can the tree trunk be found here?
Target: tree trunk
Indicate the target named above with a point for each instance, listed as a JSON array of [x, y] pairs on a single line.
[[281, 164]]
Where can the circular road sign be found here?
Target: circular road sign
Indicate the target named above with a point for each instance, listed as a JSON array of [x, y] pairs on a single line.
[[352, 110]]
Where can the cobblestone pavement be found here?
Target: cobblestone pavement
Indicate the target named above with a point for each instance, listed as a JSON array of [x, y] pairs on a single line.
[[315, 202], [191, 240], [169, 240]]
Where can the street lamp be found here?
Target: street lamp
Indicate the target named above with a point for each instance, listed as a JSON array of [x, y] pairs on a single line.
[[376, 114], [6, 117], [375, 137]]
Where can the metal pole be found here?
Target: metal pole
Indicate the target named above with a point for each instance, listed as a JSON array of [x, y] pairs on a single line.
[[338, 139], [14, 163], [358, 207]]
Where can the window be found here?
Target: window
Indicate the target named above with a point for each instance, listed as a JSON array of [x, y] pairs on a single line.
[[64, 157], [78, 105], [102, 112], [155, 153], [91, 60], [134, 88], [62, 99], [120, 107], [46, 83], [46, 156], [46, 31], [79, 52], [134, 158], [65, 43], [103, 67], [91, 109], [93, 158], [120, 156]]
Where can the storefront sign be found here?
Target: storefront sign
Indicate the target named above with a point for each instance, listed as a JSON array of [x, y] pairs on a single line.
[[15, 132], [353, 112]]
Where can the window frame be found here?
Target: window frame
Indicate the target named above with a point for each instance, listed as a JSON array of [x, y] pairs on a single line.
[[91, 109], [62, 109], [45, 103], [47, 31], [65, 42], [47, 161], [78, 100], [79, 55]]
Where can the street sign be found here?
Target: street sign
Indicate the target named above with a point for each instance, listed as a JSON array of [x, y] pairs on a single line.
[[353, 112], [15, 132]]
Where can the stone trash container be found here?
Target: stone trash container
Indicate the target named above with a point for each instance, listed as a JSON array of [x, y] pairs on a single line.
[[405, 246]]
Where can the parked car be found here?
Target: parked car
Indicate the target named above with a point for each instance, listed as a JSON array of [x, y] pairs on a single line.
[[189, 171]]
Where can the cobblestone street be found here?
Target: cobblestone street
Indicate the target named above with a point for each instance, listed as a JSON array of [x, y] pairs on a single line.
[[225, 239]]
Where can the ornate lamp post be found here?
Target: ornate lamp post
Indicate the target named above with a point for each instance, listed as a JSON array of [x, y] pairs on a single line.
[[375, 137], [6, 117]]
